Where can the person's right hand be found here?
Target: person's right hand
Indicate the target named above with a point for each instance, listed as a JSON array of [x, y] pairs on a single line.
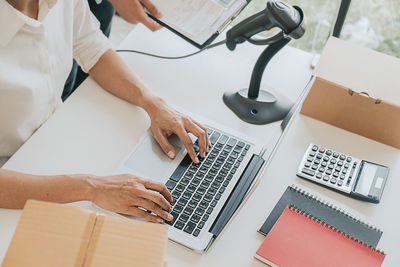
[[126, 194], [133, 11]]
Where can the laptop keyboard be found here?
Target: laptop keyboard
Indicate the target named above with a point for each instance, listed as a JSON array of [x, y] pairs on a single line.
[[197, 188]]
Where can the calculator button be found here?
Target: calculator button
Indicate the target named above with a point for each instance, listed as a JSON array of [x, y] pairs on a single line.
[[340, 163], [322, 169], [335, 155], [326, 178], [308, 171], [348, 159], [342, 176], [344, 171], [307, 164], [336, 174], [322, 150], [317, 161], [319, 176], [340, 183], [319, 156], [314, 167], [346, 165], [312, 154], [338, 168], [309, 159], [333, 161], [328, 171], [333, 181], [326, 158], [342, 157], [329, 152], [315, 148], [323, 164], [330, 166]]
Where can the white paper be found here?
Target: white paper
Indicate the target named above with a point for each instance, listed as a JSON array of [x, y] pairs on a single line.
[[197, 19]]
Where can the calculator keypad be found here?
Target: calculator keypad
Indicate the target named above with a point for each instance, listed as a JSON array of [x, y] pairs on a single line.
[[328, 167]]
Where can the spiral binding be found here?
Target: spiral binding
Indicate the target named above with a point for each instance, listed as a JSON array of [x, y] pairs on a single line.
[[330, 227], [335, 208]]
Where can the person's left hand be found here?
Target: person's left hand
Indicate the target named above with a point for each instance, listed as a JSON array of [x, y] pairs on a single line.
[[133, 11], [166, 121]]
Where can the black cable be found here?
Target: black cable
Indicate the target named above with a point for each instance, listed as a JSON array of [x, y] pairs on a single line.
[[165, 57]]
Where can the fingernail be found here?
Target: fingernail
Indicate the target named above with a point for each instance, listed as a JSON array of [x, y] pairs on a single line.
[[160, 220], [170, 217], [197, 160], [171, 154]]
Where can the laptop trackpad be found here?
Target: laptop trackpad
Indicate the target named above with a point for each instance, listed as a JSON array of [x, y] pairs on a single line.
[[149, 161]]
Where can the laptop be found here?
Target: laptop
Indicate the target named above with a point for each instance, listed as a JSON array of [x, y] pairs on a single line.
[[205, 195]]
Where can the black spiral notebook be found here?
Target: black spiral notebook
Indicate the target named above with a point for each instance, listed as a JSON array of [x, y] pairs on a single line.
[[325, 212]]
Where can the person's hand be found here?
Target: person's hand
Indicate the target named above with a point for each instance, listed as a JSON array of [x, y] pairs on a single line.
[[133, 11], [127, 194], [166, 121]]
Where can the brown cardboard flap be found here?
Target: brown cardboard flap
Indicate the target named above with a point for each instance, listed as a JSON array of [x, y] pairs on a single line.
[[360, 69], [363, 115], [123, 242], [50, 235]]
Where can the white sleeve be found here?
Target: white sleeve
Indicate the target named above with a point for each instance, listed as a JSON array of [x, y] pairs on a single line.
[[89, 42]]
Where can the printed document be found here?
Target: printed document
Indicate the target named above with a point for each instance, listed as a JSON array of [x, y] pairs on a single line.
[[198, 20]]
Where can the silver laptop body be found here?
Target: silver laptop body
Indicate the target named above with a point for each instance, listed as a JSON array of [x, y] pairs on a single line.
[[147, 160]]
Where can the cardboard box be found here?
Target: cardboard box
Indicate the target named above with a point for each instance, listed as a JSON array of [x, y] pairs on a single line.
[[357, 89], [56, 235]]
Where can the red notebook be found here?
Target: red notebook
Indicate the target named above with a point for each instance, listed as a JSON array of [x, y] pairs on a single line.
[[298, 239]]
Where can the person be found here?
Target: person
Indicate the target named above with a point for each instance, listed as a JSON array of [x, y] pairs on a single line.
[[37, 42], [132, 11]]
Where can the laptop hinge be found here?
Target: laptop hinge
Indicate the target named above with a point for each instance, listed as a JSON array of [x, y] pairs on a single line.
[[237, 195]]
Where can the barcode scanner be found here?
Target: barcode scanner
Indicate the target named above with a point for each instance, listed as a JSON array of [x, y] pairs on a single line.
[[276, 14], [251, 104]]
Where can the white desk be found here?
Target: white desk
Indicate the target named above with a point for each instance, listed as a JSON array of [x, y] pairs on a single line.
[[93, 131]]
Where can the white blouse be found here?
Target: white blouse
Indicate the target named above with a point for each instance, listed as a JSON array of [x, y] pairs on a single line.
[[36, 59]]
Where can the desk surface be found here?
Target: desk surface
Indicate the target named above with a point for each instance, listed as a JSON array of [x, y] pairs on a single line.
[[93, 131]]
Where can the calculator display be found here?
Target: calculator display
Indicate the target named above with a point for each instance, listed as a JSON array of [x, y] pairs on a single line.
[[366, 178]]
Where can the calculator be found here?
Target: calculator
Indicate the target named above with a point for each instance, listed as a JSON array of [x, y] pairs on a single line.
[[357, 178]]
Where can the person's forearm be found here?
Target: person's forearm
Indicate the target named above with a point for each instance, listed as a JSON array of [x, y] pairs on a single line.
[[115, 76], [16, 188]]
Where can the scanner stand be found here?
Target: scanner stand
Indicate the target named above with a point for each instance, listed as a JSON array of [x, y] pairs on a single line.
[[257, 106]]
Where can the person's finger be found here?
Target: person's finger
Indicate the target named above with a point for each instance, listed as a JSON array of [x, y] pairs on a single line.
[[155, 197], [135, 211], [159, 187], [205, 130], [151, 8], [162, 140], [150, 23], [184, 137], [200, 134], [151, 206], [147, 21]]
